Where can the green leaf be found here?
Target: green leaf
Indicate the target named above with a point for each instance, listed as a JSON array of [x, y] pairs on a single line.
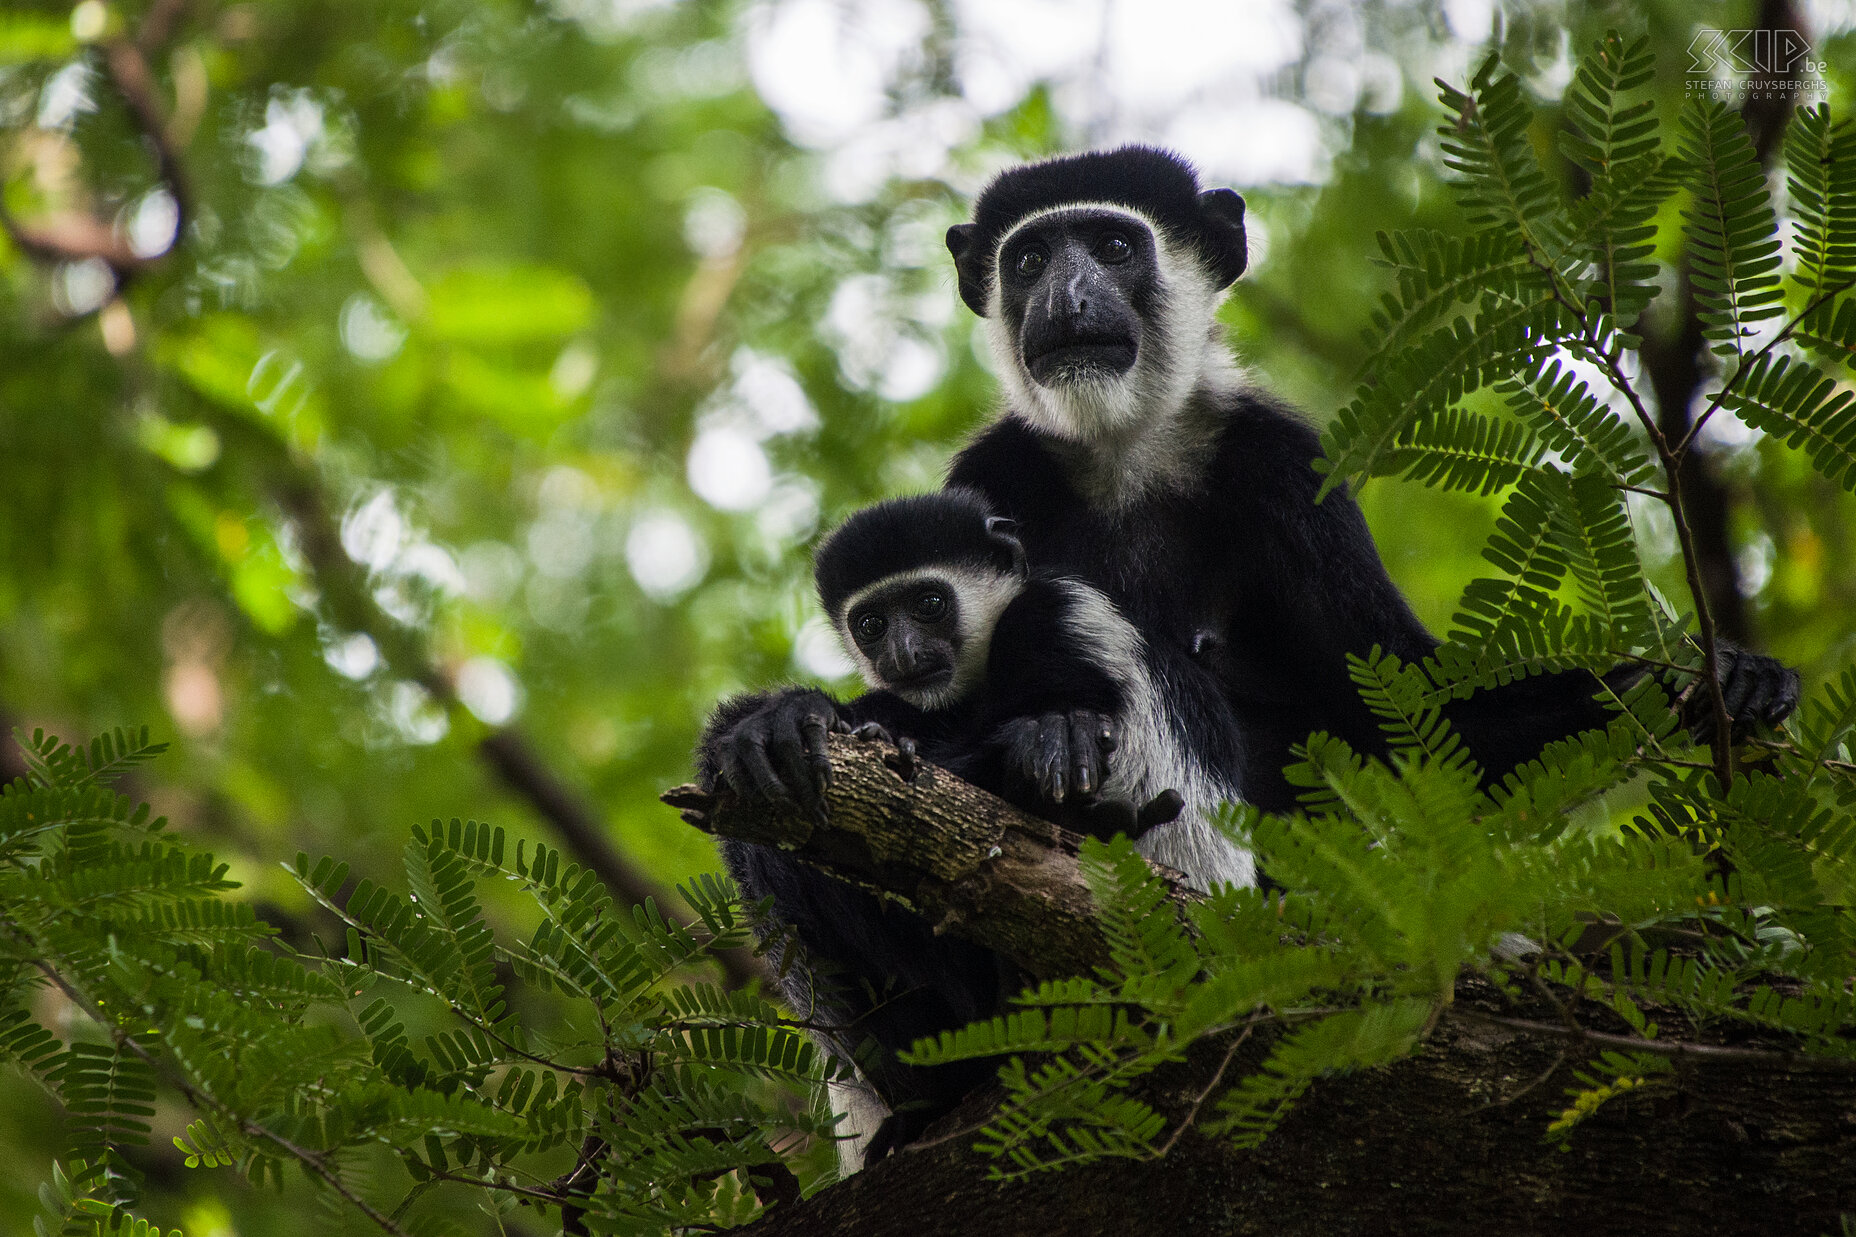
[[1821, 159], [1502, 185], [1606, 132], [1356, 1039], [1794, 402], [1462, 450], [1830, 331], [1435, 273], [1365, 439], [1732, 235], [1573, 422], [1405, 702]]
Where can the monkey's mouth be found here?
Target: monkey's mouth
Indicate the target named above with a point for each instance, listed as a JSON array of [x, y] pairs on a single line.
[[922, 680], [1081, 359], [924, 688]]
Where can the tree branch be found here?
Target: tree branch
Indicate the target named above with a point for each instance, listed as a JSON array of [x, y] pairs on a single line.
[[77, 236], [963, 860], [1415, 1147]]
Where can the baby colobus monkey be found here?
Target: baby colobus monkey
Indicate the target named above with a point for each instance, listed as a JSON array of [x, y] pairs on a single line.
[[977, 662]]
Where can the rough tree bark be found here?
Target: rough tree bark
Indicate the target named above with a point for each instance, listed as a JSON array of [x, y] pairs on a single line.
[[1448, 1142]]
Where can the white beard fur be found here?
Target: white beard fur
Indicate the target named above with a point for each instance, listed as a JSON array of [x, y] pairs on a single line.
[[1133, 432]]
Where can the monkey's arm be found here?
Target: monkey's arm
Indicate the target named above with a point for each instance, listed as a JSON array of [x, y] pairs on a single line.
[[1057, 678], [1333, 597], [870, 976]]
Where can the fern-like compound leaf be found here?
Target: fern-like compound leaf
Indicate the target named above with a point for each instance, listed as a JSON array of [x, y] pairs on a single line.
[[1732, 235], [1794, 402], [1820, 157]]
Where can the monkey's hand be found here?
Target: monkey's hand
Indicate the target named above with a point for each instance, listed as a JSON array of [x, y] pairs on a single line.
[[1106, 817], [1755, 687], [775, 752], [1059, 756]]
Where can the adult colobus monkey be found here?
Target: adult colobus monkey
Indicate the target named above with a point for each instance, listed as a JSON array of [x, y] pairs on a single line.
[[1132, 456]]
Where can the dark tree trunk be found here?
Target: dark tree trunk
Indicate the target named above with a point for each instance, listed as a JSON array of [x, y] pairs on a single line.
[[1425, 1146], [1450, 1141], [1673, 358]]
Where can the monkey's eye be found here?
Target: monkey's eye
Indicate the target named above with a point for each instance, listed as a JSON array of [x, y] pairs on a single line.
[[870, 628], [1030, 263], [930, 606], [1114, 248]]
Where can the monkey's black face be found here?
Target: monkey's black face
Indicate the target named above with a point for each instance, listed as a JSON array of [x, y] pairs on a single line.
[[909, 633], [1074, 289]]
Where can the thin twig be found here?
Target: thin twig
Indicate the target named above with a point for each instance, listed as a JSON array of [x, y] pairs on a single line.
[[1791, 749], [1198, 1101], [1691, 563], [1771, 1057], [1559, 1059], [1718, 400]]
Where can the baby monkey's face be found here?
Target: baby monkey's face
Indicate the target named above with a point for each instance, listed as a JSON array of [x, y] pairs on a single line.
[[908, 635]]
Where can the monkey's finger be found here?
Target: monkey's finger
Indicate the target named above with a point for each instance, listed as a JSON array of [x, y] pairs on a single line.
[[1162, 809], [873, 732], [1787, 698], [812, 731], [1018, 740], [1765, 681], [751, 773], [787, 754], [1107, 817], [1106, 736], [1085, 768], [1053, 756], [1779, 692], [1737, 685], [841, 726]]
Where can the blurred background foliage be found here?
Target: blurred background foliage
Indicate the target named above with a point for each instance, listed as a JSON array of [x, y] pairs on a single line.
[[389, 388]]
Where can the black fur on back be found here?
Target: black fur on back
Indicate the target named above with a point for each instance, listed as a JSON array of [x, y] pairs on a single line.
[[903, 534], [1158, 183]]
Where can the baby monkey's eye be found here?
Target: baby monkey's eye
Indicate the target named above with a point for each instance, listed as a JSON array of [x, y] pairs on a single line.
[[1030, 262], [930, 606], [871, 627], [1114, 248]]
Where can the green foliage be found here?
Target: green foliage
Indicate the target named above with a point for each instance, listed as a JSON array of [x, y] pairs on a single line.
[[1615, 143], [473, 332], [1821, 158], [666, 1091], [1789, 398], [1733, 242], [1730, 898]]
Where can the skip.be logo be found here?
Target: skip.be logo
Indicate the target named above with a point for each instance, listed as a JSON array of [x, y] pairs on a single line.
[[1753, 63]]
